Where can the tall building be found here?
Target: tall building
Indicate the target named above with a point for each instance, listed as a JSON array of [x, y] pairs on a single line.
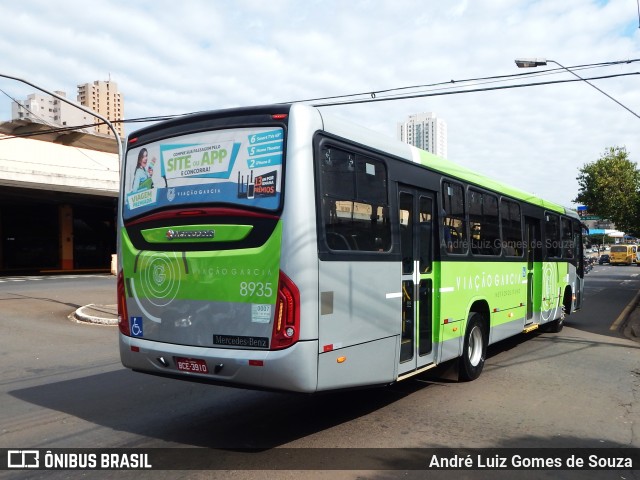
[[425, 131], [104, 98], [48, 110]]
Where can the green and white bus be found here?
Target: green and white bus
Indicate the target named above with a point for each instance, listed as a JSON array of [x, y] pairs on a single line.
[[278, 247]]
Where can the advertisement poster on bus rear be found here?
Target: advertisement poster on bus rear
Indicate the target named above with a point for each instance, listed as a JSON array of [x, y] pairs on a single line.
[[239, 167]]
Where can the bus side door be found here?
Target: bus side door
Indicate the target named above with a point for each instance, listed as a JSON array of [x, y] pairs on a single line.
[[534, 270], [417, 282]]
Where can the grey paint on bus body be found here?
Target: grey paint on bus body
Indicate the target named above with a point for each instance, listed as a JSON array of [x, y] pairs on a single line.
[[360, 323], [293, 369]]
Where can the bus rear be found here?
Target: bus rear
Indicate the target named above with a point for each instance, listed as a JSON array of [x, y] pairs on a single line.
[[201, 292], [623, 255]]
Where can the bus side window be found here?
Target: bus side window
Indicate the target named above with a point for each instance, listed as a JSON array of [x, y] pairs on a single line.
[[567, 238], [511, 223], [577, 240], [354, 198], [483, 221], [552, 233], [454, 226]]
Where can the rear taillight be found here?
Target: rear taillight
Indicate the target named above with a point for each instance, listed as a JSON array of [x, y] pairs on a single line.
[[123, 317], [286, 322]]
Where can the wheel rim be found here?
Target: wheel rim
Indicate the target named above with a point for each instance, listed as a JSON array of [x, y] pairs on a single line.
[[475, 346]]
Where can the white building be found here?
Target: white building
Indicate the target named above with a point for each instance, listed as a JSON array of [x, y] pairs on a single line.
[[425, 131], [48, 110], [59, 189], [58, 200]]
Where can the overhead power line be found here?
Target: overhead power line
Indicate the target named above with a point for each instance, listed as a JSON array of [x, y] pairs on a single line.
[[470, 90], [450, 87], [449, 83]]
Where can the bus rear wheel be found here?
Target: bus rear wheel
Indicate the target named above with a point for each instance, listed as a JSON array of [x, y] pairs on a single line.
[[474, 349]]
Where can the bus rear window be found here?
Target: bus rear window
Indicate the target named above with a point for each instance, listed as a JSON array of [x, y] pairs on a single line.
[[240, 167]]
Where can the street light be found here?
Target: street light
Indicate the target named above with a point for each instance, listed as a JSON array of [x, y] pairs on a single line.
[[539, 62]]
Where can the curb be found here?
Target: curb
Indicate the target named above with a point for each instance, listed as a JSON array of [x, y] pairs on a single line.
[[631, 328], [97, 314], [628, 323]]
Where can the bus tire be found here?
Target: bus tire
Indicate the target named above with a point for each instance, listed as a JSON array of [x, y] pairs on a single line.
[[474, 349], [557, 325]]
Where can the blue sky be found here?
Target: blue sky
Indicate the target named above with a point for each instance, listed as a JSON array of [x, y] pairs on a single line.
[[172, 57]]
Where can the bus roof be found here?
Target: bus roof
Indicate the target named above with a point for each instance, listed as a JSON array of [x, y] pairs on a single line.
[[367, 136], [457, 171]]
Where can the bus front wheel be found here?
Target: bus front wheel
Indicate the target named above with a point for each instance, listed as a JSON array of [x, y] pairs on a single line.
[[474, 349]]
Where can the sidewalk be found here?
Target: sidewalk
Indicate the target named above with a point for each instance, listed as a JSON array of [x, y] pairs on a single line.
[[108, 315], [631, 325], [98, 314]]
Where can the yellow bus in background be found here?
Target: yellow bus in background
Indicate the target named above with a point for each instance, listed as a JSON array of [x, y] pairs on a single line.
[[623, 254]]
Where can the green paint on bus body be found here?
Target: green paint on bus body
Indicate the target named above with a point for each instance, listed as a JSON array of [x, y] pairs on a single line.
[[247, 275], [502, 286], [197, 233]]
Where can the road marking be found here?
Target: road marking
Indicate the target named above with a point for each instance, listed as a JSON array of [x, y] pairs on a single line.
[[50, 277]]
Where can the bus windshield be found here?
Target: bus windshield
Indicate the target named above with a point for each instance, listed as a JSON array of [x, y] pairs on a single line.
[[240, 167]]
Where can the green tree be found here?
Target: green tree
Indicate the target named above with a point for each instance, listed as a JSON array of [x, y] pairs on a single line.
[[610, 186]]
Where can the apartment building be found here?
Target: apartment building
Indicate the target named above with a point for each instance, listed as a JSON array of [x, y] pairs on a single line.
[[48, 110], [104, 98], [425, 131]]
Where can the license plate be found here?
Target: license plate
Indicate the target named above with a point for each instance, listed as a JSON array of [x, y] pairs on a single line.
[[195, 365]]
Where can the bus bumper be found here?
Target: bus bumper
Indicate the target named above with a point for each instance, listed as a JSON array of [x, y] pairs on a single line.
[[293, 369]]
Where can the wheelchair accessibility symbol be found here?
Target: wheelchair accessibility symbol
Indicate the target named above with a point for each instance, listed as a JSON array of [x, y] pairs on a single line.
[[136, 326]]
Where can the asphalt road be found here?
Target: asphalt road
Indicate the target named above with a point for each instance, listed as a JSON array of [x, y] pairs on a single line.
[[62, 385]]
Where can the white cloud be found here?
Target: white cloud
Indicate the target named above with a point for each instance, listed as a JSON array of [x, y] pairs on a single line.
[[176, 57]]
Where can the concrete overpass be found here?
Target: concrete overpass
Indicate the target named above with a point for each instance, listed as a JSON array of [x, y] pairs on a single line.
[[58, 199]]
